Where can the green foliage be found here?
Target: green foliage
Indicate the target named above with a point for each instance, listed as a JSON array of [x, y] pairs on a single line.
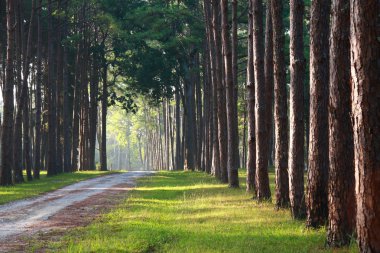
[[150, 42], [192, 212]]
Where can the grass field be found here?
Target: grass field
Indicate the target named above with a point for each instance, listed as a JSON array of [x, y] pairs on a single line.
[[192, 212], [45, 184]]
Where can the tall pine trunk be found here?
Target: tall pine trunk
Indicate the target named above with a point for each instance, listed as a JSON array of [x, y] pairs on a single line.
[[52, 116], [221, 97], [269, 76], [280, 107], [317, 177], [297, 75], [365, 65], [262, 177], [8, 108], [251, 155], [38, 105], [341, 188], [233, 179]]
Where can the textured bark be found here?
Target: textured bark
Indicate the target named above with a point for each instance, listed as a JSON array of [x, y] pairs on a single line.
[[190, 142], [341, 188], [199, 119], [213, 129], [26, 100], [52, 116], [318, 148], [76, 111], [280, 107], [37, 144], [94, 90], [8, 108], [84, 105], [59, 89], [269, 76], [221, 97], [262, 177], [68, 80], [178, 130], [251, 155], [233, 179], [103, 155], [297, 75], [235, 70], [365, 65], [17, 135]]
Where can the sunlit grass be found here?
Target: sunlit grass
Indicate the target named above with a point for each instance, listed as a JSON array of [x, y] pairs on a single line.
[[192, 212], [45, 184]]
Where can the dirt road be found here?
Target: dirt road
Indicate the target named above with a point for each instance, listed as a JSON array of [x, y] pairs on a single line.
[[25, 217]]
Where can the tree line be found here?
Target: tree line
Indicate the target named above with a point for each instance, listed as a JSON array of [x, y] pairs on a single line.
[[207, 85]]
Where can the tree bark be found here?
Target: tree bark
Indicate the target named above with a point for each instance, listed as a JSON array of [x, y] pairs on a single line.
[[297, 75], [221, 97], [37, 144], [365, 65], [233, 179], [52, 116], [269, 76], [318, 148], [341, 187], [8, 108], [251, 155], [103, 155], [280, 107], [262, 177]]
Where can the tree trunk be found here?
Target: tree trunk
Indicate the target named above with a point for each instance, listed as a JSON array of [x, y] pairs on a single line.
[[233, 179], [297, 75], [280, 107], [178, 130], [17, 135], [221, 97], [76, 111], [341, 188], [318, 148], [8, 108], [68, 80], [25, 93], [262, 177], [190, 142], [365, 65], [235, 70], [59, 89], [269, 79], [103, 155], [251, 156], [52, 116], [37, 144]]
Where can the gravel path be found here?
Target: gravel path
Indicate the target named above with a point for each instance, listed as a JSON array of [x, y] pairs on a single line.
[[22, 217]]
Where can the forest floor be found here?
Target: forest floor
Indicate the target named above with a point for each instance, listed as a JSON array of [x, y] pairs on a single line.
[[191, 212], [34, 219]]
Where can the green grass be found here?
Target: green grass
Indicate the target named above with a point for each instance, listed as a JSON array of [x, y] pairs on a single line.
[[45, 184], [192, 212]]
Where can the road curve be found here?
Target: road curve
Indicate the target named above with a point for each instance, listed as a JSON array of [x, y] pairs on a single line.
[[19, 217]]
